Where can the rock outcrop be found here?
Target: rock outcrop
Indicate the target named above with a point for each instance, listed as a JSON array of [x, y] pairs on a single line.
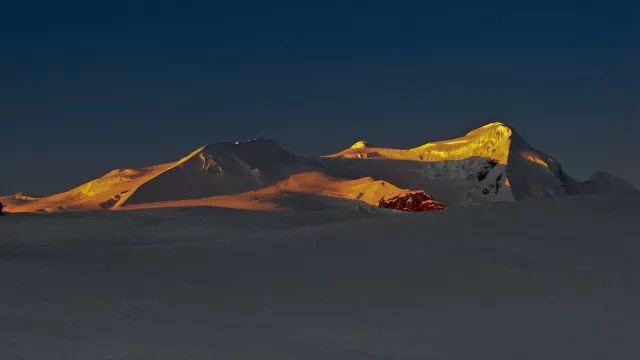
[[413, 201]]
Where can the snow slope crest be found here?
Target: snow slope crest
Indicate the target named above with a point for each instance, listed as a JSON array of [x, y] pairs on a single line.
[[489, 141]]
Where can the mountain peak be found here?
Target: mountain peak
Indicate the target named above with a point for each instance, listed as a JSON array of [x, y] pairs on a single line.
[[259, 141], [251, 146], [496, 126], [489, 141], [491, 163], [360, 145]]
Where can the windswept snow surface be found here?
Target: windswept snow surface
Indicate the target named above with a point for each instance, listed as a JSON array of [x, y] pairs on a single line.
[[544, 279]]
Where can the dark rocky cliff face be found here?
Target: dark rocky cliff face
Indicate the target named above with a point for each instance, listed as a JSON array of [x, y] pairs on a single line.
[[415, 202]]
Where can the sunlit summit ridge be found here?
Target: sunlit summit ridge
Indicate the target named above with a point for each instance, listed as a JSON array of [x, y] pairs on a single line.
[[489, 164]]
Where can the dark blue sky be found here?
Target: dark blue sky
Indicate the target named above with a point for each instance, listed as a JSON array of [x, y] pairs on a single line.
[[85, 88]]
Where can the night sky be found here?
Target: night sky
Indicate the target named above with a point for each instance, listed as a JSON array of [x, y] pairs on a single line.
[[85, 88]]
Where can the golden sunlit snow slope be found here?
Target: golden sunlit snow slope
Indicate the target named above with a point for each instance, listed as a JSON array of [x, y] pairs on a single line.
[[115, 188], [102, 193], [111, 191], [490, 141], [489, 164], [315, 183]]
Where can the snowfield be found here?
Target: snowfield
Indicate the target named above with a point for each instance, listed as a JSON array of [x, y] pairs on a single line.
[[543, 279]]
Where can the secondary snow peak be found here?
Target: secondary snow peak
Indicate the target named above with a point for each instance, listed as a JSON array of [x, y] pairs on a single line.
[[359, 145]]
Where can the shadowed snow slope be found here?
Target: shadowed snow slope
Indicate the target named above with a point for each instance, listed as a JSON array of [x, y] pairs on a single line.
[[489, 164], [546, 279], [304, 191], [221, 168]]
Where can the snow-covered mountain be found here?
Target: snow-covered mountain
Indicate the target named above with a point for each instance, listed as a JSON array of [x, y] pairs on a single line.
[[219, 169], [489, 164]]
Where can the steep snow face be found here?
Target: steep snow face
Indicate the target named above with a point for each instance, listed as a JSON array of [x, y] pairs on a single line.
[[534, 174], [470, 181], [461, 171], [489, 164], [219, 169]]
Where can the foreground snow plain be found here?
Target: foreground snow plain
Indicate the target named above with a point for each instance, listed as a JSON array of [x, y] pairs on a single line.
[[544, 279]]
